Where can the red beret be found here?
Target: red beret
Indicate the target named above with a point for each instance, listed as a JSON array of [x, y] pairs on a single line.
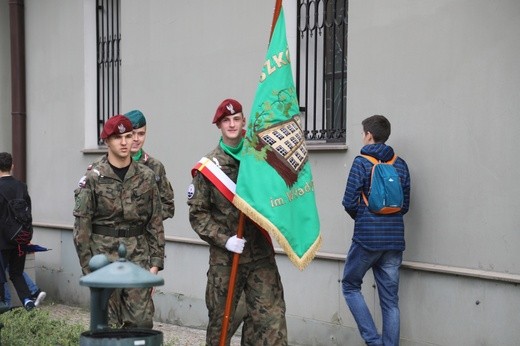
[[116, 125], [227, 107]]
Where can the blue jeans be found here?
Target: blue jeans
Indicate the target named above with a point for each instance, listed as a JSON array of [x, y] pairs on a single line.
[[385, 266], [32, 288]]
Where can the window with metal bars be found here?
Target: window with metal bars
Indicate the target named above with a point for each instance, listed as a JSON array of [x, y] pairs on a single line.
[[108, 37], [321, 69]]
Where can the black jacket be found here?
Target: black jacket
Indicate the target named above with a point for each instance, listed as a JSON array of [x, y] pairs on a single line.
[[10, 187]]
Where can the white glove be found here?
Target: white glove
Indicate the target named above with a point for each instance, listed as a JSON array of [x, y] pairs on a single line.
[[235, 244]]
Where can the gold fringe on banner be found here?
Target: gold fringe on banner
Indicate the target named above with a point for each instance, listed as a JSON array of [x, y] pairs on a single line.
[[300, 262]]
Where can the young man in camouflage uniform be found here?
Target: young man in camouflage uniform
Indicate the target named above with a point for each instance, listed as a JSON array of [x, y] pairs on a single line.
[[138, 154], [118, 202], [215, 220]]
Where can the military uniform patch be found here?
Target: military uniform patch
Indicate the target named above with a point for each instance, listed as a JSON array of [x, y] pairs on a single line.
[[191, 191], [83, 181]]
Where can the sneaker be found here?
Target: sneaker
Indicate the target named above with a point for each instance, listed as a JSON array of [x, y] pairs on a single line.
[[39, 297], [29, 305], [35, 294], [4, 307]]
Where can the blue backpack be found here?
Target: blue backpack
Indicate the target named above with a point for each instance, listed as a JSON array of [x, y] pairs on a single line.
[[385, 193]]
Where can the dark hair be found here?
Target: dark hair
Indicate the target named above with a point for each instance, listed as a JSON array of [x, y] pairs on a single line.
[[378, 126], [6, 162]]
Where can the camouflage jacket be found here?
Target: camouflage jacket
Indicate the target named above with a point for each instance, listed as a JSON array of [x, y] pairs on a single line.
[[102, 199], [165, 188], [215, 219]]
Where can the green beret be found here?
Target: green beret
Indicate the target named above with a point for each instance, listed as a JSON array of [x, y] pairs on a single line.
[[137, 118]]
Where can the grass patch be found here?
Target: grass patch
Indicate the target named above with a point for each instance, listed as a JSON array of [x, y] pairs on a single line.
[[36, 327], [52, 325]]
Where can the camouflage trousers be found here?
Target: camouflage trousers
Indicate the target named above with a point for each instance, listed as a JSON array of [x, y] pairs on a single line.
[[131, 308], [260, 284]]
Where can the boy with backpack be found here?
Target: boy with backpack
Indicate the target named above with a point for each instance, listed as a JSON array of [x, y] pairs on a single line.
[[15, 230], [377, 195]]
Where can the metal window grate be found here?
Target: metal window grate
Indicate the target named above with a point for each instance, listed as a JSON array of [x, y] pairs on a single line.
[[321, 68], [108, 61]]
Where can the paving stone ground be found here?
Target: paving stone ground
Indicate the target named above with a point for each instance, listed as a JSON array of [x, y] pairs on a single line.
[[173, 335]]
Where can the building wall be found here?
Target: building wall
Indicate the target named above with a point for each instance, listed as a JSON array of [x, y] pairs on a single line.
[[444, 72], [5, 77]]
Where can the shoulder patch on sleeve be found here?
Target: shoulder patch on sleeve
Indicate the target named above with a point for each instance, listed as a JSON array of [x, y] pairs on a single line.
[[191, 191], [82, 182]]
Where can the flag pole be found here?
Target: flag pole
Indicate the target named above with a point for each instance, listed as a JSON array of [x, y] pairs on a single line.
[[277, 9], [240, 230], [231, 285]]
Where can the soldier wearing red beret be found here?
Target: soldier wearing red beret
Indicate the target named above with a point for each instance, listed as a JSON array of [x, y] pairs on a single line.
[[214, 218], [118, 201]]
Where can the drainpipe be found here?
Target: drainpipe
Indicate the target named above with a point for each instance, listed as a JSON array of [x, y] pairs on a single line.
[[18, 92]]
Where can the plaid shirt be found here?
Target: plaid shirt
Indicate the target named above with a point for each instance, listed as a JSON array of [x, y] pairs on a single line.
[[375, 232]]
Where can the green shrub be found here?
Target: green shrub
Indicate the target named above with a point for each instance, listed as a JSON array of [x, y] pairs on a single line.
[[36, 327]]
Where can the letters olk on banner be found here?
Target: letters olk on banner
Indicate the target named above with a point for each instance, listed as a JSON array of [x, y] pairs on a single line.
[[275, 187]]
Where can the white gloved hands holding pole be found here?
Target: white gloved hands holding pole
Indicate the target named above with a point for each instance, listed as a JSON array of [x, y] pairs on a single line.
[[235, 244]]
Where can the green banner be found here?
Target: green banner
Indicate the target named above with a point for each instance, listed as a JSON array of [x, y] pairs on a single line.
[[275, 187]]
